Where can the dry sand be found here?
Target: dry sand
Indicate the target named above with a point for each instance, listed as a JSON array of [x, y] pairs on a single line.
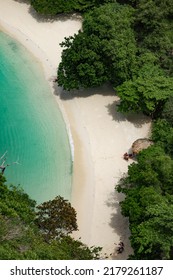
[[100, 134]]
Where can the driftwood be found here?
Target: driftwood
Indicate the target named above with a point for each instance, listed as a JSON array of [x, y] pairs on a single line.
[[3, 166], [141, 144]]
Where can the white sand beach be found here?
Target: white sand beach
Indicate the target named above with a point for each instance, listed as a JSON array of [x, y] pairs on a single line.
[[100, 135]]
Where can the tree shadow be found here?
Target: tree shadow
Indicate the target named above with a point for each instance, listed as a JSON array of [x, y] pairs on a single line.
[[22, 1], [112, 110], [138, 119], [104, 90], [120, 225], [48, 18], [63, 94]]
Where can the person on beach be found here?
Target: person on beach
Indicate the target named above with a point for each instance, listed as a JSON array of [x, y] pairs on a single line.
[[120, 248], [126, 156]]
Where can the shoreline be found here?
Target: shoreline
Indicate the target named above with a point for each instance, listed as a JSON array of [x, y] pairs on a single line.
[[48, 69], [98, 134]]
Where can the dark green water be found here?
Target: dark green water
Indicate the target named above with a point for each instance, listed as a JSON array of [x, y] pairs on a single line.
[[32, 129]]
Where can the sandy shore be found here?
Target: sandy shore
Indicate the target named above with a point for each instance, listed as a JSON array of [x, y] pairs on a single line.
[[100, 134]]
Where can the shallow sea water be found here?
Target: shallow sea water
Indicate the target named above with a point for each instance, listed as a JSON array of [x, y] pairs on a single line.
[[32, 130]]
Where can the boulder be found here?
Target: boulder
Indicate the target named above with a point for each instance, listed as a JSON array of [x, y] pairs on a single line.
[[141, 144]]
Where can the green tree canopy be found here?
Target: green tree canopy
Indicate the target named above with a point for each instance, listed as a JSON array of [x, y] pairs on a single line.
[[54, 7], [56, 218], [153, 26], [154, 236], [162, 134], [147, 91], [151, 13], [151, 217], [105, 49], [21, 238], [15, 203], [154, 169], [81, 64], [27, 243], [148, 204], [167, 112]]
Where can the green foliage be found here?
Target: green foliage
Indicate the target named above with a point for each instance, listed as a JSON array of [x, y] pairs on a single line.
[[54, 7], [81, 63], [148, 187], [153, 26], [30, 245], [147, 91], [104, 51], [162, 134], [154, 169], [76, 250], [56, 218], [21, 238], [112, 24], [152, 238], [167, 112], [15, 203], [151, 216]]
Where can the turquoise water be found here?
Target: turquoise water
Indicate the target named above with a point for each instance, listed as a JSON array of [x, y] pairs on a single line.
[[32, 129]]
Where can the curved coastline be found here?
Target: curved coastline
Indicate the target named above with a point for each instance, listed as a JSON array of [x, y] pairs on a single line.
[[32, 126], [49, 70], [98, 135]]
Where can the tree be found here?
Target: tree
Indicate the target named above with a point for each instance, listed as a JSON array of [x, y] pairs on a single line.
[[56, 218], [150, 13], [153, 27], [162, 135], [104, 51], [153, 24], [21, 238], [81, 64], [14, 203], [76, 250], [154, 168], [146, 92], [150, 215], [153, 238], [167, 112], [54, 7], [65, 248], [113, 24], [148, 204]]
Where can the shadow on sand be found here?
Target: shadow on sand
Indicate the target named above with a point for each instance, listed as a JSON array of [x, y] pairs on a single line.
[[48, 18], [105, 90], [120, 225], [23, 1], [138, 119]]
